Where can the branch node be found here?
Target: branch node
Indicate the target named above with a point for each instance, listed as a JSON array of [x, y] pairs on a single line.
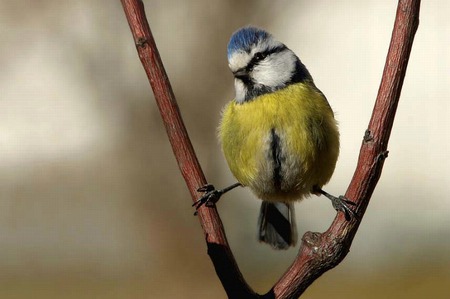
[[312, 240], [382, 156], [367, 136], [141, 42]]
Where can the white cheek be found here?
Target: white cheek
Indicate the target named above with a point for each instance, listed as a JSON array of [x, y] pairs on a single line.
[[276, 70], [241, 90], [238, 61]]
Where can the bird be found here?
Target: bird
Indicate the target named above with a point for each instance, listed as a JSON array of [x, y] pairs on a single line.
[[278, 135]]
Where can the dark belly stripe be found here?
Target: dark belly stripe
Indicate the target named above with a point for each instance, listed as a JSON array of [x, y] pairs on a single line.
[[276, 158]]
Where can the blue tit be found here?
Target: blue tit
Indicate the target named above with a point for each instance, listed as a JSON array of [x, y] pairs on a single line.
[[278, 134]]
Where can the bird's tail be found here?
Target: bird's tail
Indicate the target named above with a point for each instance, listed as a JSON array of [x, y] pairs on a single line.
[[276, 224]]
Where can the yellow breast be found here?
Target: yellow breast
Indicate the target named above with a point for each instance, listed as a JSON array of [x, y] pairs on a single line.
[[281, 144]]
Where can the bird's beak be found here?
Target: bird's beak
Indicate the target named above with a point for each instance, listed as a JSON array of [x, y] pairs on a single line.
[[241, 74]]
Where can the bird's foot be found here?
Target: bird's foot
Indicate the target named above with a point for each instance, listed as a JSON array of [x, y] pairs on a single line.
[[208, 199], [340, 203]]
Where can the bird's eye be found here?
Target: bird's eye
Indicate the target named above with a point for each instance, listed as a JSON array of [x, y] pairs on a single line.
[[259, 56]]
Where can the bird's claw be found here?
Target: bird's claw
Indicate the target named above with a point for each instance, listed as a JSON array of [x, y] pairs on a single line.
[[208, 199], [341, 203], [206, 188]]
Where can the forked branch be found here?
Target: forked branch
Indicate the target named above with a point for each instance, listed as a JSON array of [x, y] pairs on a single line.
[[318, 252]]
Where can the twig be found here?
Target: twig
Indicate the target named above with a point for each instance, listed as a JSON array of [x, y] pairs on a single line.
[[319, 252], [218, 248]]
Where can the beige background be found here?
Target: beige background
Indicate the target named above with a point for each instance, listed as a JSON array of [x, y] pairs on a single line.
[[91, 201]]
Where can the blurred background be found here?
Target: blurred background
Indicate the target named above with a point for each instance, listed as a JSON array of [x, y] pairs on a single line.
[[92, 204]]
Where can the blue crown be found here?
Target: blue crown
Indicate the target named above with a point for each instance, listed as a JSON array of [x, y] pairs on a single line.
[[244, 38]]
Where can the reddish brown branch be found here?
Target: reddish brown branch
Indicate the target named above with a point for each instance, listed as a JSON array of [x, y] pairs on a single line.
[[218, 248], [321, 252], [318, 252]]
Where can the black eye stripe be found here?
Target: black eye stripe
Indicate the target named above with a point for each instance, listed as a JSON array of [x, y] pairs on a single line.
[[259, 56], [275, 50]]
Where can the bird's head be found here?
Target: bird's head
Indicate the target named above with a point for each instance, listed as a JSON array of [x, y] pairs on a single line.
[[261, 64]]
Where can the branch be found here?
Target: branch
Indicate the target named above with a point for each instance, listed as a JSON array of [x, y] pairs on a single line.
[[218, 248], [319, 252]]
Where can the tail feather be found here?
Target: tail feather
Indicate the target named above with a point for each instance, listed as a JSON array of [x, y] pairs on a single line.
[[276, 224]]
